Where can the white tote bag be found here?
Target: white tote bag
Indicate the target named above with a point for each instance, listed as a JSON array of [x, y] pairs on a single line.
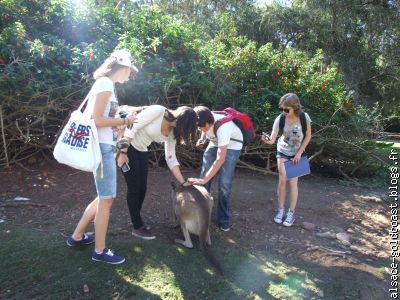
[[78, 144]]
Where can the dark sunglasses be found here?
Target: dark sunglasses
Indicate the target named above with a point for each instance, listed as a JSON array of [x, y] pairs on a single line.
[[286, 110]]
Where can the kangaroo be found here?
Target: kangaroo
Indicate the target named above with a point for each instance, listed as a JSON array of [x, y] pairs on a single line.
[[192, 207]]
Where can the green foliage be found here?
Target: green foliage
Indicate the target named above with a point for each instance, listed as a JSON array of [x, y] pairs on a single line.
[[361, 36], [49, 49]]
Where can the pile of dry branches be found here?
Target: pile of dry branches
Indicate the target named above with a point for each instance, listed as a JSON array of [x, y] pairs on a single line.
[[30, 126]]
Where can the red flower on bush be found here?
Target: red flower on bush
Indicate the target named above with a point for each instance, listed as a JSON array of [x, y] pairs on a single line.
[[2, 62], [46, 12], [91, 55]]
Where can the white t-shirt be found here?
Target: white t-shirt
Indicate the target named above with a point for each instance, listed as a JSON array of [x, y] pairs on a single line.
[[107, 135], [225, 133], [292, 136], [147, 129]]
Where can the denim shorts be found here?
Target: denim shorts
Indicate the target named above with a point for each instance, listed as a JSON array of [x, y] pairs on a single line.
[[105, 176], [283, 155]]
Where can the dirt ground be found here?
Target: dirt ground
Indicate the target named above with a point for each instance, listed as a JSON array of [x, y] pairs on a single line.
[[58, 195]]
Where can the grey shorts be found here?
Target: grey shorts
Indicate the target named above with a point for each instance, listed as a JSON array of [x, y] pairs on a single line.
[[105, 176]]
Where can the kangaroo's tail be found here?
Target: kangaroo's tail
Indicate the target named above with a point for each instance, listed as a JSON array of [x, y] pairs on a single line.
[[204, 249]]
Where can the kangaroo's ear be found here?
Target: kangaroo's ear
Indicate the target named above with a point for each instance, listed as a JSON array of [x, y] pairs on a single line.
[[173, 185]]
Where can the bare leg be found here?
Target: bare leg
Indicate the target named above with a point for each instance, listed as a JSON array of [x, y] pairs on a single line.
[[208, 239], [87, 217], [294, 193], [101, 223], [282, 183], [187, 242]]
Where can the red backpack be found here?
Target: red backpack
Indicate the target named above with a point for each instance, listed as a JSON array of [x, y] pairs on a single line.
[[242, 120]]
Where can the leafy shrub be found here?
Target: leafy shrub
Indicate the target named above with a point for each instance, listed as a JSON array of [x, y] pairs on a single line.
[[48, 51]]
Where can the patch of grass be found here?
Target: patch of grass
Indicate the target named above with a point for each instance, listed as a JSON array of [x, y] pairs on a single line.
[[384, 148], [38, 264], [380, 174], [379, 180]]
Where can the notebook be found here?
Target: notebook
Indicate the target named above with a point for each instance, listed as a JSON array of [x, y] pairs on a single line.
[[300, 169]]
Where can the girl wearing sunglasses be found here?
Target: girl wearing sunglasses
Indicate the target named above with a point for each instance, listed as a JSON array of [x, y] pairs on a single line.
[[290, 146]]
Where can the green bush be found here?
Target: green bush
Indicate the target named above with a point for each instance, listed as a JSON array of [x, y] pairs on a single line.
[[48, 51]]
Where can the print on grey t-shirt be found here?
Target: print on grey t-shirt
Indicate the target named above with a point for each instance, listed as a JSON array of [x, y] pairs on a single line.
[[292, 136], [111, 114]]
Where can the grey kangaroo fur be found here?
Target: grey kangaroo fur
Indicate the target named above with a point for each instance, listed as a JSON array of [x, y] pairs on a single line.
[[192, 207]]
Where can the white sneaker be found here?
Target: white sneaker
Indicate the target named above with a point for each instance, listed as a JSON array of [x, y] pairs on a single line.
[[279, 216], [289, 219]]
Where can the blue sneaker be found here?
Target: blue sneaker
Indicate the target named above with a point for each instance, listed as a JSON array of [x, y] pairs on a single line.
[[87, 239], [108, 256], [225, 227]]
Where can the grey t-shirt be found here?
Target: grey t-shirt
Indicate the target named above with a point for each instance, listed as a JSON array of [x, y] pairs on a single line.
[[292, 137]]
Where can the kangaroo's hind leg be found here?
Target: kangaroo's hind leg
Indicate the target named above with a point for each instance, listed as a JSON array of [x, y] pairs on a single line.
[[187, 242], [208, 239]]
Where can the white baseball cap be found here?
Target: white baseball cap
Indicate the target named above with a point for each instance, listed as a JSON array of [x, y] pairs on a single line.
[[124, 57]]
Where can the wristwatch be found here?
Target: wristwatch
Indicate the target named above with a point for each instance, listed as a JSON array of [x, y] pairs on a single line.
[[122, 144]]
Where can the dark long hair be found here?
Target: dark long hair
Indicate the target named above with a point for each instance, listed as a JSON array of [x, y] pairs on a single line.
[[186, 123]]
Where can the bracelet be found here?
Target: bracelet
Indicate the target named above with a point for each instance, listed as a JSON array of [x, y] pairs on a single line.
[[183, 182], [123, 152]]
